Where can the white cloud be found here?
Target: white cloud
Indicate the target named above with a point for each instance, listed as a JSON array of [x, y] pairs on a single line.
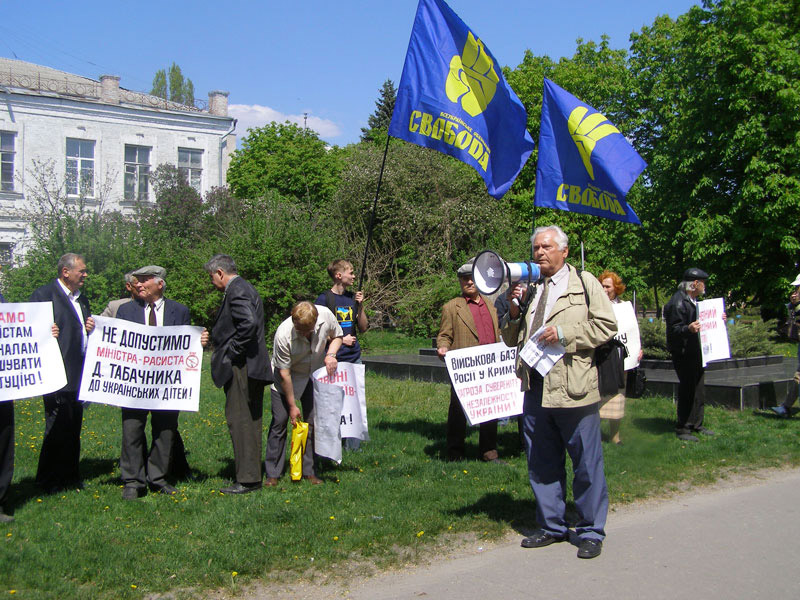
[[255, 115]]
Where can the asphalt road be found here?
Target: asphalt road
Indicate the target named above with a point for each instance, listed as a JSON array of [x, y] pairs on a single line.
[[738, 539]]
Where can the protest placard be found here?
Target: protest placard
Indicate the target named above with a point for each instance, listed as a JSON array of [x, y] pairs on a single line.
[[30, 360], [713, 333], [327, 416], [485, 381], [540, 355], [628, 332], [350, 377], [141, 366]]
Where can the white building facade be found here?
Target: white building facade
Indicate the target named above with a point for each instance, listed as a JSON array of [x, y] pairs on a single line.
[[98, 143]]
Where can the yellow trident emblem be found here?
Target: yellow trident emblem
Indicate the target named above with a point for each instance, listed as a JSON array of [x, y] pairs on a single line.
[[587, 131], [472, 78]]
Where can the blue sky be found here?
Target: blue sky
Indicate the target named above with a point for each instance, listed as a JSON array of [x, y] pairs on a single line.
[[279, 60]]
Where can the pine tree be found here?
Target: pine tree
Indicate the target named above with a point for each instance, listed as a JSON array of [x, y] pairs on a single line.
[[173, 86], [378, 122]]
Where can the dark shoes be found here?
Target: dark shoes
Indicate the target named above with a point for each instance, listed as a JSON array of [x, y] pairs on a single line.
[[704, 431], [4, 518], [687, 437], [781, 411], [130, 492], [241, 488], [166, 489], [540, 539], [313, 479], [590, 548], [271, 482]]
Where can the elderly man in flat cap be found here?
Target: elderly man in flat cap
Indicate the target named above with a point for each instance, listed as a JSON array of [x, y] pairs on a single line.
[[468, 320], [683, 343], [138, 466]]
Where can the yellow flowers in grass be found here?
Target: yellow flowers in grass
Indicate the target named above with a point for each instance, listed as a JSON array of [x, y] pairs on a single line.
[[420, 533]]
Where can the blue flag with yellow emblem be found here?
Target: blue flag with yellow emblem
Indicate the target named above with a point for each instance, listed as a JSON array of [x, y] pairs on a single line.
[[453, 98], [585, 164]]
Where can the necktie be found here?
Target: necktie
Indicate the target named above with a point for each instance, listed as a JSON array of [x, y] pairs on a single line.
[[538, 316], [151, 320]]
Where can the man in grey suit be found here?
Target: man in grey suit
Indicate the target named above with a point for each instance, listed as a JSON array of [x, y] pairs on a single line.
[[151, 308], [112, 307], [61, 445], [240, 364]]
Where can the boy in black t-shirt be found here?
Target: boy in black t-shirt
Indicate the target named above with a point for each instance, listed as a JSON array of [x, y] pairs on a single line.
[[349, 311]]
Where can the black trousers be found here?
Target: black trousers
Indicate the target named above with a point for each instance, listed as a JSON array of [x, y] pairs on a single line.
[[6, 449], [61, 446], [457, 432], [691, 392], [244, 408]]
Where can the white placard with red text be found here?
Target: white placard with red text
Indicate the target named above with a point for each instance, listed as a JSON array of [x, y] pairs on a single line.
[[30, 359], [141, 366], [713, 333], [485, 381], [349, 377]]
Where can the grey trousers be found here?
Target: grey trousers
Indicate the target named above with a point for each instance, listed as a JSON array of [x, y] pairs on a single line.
[[276, 439], [550, 433], [137, 465], [244, 407]]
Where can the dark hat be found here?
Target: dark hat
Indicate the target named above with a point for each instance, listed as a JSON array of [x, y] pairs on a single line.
[[465, 270], [694, 273], [151, 271]]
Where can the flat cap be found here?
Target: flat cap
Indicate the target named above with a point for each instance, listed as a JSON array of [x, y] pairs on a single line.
[[796, 280], [151, 271], [694, 273], [465, 269]]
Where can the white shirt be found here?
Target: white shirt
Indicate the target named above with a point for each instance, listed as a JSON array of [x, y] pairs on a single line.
[[558, 287], [73, 300], [159, 306], [300, 355]]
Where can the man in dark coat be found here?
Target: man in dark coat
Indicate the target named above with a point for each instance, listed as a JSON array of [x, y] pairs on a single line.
[[61, 445], [240, 365], [683, 343], [140, 468]]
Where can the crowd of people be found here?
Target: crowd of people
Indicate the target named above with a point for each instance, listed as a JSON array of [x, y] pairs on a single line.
[[561, 415], [313, 336]]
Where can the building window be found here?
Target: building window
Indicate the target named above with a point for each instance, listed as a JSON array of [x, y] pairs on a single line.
[[137, 172], [80, 167], [6, 253], [6, 161], [190, 164]]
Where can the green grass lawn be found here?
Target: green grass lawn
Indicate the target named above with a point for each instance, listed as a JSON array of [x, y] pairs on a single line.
[[381, 506]]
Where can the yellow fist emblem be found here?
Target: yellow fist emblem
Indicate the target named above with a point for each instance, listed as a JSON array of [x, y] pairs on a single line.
[[472, 78], [587, 131]]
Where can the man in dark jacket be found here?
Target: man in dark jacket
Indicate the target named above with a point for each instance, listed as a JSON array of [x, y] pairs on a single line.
[[240, 364], [61, 445], [683, 343], [138, 466]]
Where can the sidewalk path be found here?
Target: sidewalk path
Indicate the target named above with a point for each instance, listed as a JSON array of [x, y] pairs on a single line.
[[737, 539]]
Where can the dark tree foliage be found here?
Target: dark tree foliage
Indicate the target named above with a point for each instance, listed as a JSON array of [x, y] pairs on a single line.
[[378, 122]]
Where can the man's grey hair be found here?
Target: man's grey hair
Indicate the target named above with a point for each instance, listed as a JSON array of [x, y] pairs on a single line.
[[129, 278], [68, 261], [561, 238], [686, 286], [221, 261], [164, 286]]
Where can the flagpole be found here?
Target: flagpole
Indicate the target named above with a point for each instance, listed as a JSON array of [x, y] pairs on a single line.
[[372, 215]]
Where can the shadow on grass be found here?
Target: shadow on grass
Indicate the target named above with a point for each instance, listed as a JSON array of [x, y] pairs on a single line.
[[517, 513], [508, 440], [655, 425], [770, 415]]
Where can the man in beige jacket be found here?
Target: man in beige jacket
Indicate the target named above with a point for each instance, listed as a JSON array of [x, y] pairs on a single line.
[[467, 321], [560, 411]]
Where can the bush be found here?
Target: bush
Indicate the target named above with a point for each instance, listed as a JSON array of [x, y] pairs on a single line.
[[754, 338], [654, 339]]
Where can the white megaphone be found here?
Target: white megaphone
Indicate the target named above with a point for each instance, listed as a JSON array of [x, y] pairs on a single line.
[[489, 271]]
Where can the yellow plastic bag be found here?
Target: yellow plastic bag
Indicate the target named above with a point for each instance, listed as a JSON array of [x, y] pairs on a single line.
[[299, 436]]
